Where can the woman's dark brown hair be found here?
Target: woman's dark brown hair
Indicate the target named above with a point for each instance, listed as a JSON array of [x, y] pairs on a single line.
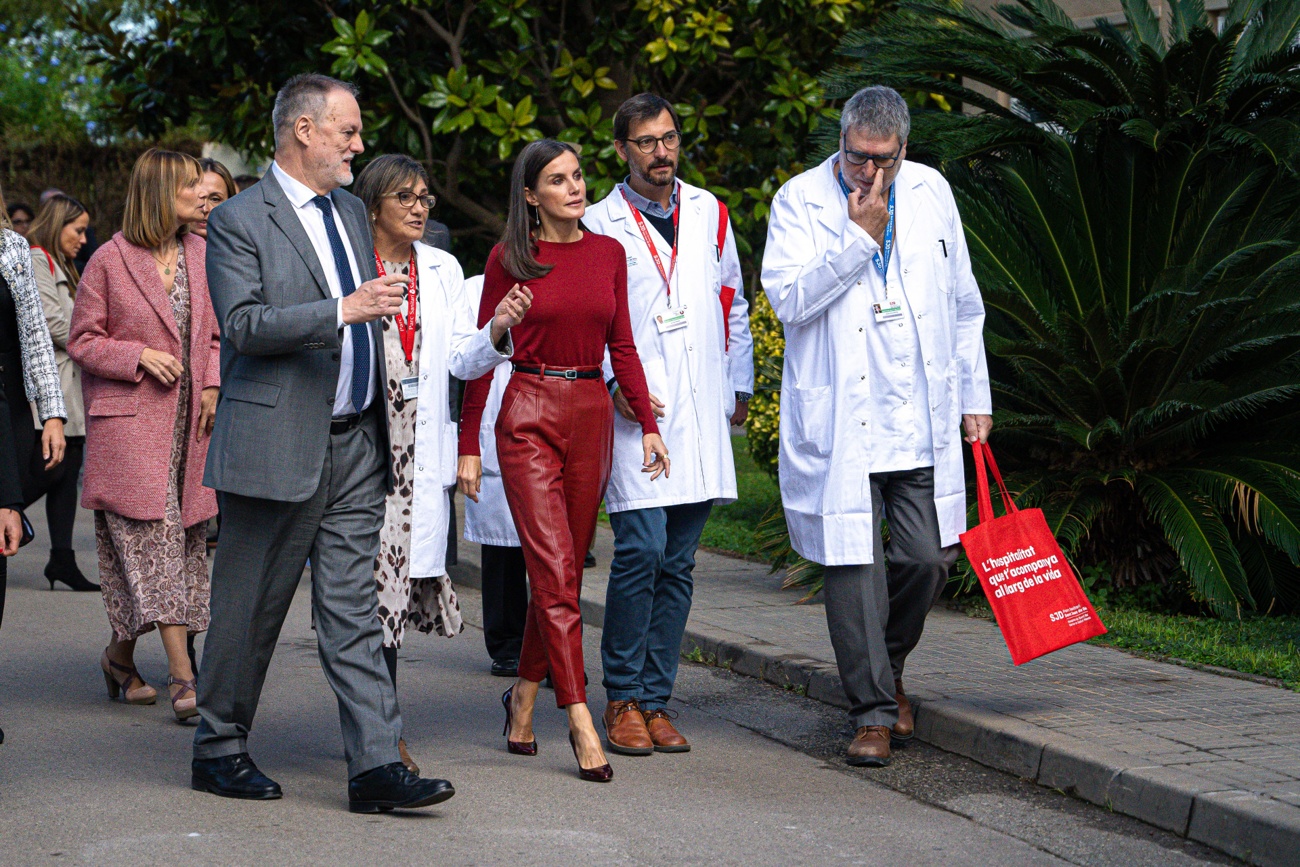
[[56, 212], [207, 164], [389, 173], [517, 244]]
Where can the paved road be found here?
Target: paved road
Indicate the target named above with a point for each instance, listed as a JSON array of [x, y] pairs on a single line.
[[87, 781]]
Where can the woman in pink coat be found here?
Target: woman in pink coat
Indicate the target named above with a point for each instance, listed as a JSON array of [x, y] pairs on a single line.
[[145, 335]]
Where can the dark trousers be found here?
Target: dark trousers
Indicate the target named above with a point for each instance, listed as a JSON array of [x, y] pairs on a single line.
[[876, 612], [505, 601], [555, 441], [258, 565], [59, 488], [648, 600]]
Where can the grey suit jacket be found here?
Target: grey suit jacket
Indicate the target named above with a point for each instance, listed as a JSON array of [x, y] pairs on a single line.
[[280, 343]]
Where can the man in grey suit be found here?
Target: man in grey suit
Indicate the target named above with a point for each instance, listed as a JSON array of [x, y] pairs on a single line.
[[300, 450]]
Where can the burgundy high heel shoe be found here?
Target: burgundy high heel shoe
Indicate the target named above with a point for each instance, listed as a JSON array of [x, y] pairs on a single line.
[[603, 774], [517, 747]]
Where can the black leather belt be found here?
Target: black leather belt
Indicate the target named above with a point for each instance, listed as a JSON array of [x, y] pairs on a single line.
[[562, 373], [341, 424]]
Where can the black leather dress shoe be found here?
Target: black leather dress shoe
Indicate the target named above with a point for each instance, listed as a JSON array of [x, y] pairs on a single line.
[[233, 777], [393, 787], [505, 667]]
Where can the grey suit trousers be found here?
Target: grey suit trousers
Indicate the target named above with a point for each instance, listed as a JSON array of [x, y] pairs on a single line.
[[876, 612], [264, 547]]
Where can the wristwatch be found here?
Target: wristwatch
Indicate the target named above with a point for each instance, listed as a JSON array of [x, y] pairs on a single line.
[[743, 397]]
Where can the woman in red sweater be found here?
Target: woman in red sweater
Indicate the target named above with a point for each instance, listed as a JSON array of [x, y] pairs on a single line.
[[555, 429]]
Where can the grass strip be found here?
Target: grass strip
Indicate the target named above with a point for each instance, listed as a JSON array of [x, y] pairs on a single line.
[[1260, 646]]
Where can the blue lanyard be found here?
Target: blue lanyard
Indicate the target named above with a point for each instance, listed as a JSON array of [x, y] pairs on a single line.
[[887, 249]]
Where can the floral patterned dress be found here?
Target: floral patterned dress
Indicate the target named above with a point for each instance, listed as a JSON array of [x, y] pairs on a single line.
[[425, 603], [155, 572]]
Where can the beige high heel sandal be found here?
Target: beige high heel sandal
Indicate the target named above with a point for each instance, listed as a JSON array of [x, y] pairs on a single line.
[[184, 708], [142, 694]]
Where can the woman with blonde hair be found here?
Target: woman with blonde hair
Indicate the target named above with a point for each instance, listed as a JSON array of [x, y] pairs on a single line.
[[145, 335], [57, 236]]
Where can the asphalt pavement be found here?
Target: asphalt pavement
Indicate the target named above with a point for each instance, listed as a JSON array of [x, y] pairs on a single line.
[[84, 780]]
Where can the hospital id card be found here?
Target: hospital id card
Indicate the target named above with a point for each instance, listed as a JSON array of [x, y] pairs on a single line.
[[672, 320], [410, 387], [887, 311]]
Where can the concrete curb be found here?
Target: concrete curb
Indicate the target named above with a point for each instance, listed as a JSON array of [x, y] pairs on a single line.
[[1243, 824]]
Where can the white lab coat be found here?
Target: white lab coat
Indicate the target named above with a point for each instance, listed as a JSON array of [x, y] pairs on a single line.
[[690, 369], [815, 269], [488, 522], [449, 343]]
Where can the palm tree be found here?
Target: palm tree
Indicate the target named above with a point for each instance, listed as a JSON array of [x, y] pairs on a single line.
[[1132, 204]]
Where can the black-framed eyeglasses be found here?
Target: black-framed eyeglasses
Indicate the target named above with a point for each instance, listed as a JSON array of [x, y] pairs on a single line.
[[407, 199], [647, 144], [858, 158]]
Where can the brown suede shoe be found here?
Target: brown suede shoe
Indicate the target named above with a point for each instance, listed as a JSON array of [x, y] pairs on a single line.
[[625, 729], [906, 725], [870, 747], [664, 734]]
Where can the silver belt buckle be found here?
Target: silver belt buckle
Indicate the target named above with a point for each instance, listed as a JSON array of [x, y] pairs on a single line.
[[570, 374]]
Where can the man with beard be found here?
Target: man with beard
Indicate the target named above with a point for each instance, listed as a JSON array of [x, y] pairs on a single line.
[[691, 324], [300, 450]]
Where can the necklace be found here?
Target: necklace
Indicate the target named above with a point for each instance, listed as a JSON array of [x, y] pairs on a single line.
[[167, 266]]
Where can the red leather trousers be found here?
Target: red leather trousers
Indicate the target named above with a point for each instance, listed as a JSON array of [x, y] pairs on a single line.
[[555, 441]]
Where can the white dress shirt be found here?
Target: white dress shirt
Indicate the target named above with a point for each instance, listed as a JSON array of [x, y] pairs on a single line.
[[313, 222]]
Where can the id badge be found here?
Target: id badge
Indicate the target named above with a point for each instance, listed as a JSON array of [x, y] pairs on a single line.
[[410, 387], [888, 311], [672, 320]]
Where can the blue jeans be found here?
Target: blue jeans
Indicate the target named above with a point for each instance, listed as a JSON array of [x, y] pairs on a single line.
[[648, 600]]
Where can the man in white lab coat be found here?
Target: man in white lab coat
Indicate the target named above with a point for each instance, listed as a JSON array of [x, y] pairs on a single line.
[[867, 268], [691, 324]]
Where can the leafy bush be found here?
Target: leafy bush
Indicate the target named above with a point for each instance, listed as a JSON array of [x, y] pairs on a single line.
[[765, 409], [1133, 212]]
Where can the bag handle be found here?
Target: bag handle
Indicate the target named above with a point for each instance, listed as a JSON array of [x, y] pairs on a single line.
[[984, 497]]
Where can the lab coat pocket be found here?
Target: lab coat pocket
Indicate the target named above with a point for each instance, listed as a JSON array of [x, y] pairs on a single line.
[[812, 417], [944, 420], [942, 256], [449, 446]]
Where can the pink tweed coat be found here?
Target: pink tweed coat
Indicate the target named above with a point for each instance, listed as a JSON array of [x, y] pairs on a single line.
[[121, 309]]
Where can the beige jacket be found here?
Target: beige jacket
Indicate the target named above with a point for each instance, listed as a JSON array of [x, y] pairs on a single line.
[[56, 299]]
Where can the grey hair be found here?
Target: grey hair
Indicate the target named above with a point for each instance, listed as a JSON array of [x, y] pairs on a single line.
[[878, 111], [304, 94]]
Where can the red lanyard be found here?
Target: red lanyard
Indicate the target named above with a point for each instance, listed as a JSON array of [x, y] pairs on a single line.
[[405, 327], [654, 253]]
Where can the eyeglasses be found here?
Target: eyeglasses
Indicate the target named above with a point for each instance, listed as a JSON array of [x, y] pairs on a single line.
[[647, 144], [407, 199], [858, 158]]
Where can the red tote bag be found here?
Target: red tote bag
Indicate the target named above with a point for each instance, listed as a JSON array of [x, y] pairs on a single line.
[[1036, 598]]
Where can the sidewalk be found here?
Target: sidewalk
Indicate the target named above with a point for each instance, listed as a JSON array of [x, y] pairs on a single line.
[[1212, 758]]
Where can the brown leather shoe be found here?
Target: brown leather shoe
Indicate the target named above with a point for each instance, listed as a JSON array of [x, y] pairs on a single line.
[[664, 734], [870, 747], [406, 758], [625, 729], [906, 725]]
